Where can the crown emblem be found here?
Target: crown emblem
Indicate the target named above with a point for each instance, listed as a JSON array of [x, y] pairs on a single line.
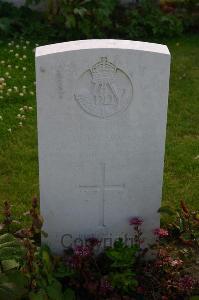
[[103, 70]]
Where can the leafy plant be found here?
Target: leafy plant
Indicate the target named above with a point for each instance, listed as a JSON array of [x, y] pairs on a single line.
[[122, 274]]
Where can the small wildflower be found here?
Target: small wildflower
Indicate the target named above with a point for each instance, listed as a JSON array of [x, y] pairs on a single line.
[[11, 50], [24, 56], [21, 94], [21, 109], [31, 93], [15, 88], [17, 46], [23, 117], [10, 130], [24, 68], [7, 73], [24, 77], [136, 221], [1, 118], [16, 54], [25, 107], [93, 242], [3, 62], [16, 67], [9, 90], [2, 80], [82, 251], [160, 232], [176, 262], [24, 47], [9, 66], [20, 124], [30, 108], [1, 97], [19, 116]]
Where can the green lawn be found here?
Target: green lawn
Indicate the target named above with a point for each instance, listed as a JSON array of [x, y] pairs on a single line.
[[18, 141]]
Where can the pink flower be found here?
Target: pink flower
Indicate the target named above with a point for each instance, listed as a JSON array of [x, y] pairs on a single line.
[[186, 283], [83, 251], [160, 232], [93, 242], [136, 221], [176, 262]]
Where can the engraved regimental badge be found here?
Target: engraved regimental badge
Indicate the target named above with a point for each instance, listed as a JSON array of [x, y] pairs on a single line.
[[104, 90]]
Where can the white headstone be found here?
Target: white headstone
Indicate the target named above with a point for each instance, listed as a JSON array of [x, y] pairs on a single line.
[[102, 109]]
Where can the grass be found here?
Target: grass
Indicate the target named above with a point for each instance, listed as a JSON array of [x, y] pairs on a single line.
[[18, 142]]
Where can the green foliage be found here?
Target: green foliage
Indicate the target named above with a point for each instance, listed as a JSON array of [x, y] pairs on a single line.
[[77, 19], [44, 277], [147, 20], [122, 273], [12, 282], [84, 19], [11, 251], [12, 285], [185, 225]]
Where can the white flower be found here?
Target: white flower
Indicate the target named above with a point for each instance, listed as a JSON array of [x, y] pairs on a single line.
[[25, 107], [24, 47], [3, 62], [27, 42], [9, 90], [24, 68], [17, 46], [1, 118], [7, 73], [24, 86], [11, 50], [21, 94], [9, 77], [23, 117], [9, 66], [16, 67], [9, 44], [17, 54], [30, 108], [15, 88], [2, 79], [19, 116], [10, 130], [24, 56], [31, 93], [20, 124], [1, 97], [21, 58], [21, 109]]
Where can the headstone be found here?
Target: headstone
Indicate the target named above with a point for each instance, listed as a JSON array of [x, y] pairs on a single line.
[[102, 109]]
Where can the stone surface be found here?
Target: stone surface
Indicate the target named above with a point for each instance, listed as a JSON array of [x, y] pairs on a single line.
[[102, 108]]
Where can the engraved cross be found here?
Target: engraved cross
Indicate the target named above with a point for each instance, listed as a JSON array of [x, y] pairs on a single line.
[[101, 189]]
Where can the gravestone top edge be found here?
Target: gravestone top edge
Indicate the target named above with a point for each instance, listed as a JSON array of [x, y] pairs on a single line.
[[101, 44]]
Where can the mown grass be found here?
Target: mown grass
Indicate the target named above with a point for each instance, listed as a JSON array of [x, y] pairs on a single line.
[[18, 148]]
